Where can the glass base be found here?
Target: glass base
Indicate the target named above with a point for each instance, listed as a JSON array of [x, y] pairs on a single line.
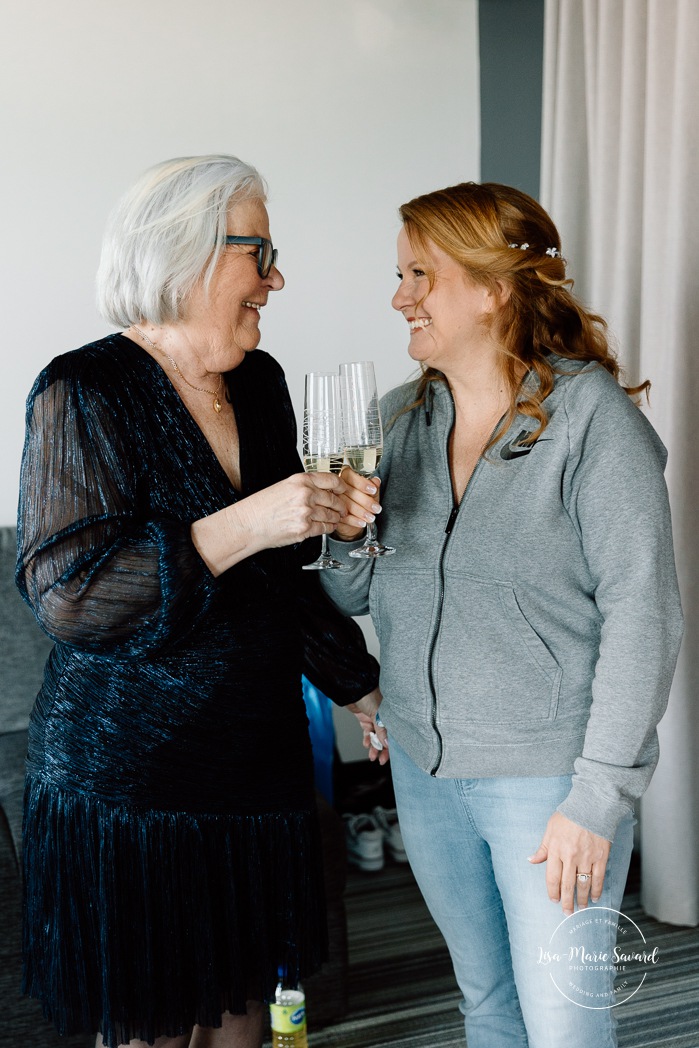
[[323, 564], [372, 549]]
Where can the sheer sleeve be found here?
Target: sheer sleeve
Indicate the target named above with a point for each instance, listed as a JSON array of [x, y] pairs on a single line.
[[98, 571]]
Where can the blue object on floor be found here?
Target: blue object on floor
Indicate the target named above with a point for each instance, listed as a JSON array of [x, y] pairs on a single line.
[[322, 732]]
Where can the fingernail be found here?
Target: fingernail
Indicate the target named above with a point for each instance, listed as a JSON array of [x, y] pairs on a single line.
[[370, 517], [376, 508], [530, 858], [370, 489]]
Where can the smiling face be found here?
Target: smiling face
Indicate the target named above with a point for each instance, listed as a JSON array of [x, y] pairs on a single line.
[[227, 317], [449, 321]]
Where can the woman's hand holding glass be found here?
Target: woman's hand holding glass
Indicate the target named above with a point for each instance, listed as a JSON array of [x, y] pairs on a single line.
[[363, 435], [300, 507], [361, 504]]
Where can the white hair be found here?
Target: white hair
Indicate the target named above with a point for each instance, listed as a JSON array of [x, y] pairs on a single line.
[[165, 235]]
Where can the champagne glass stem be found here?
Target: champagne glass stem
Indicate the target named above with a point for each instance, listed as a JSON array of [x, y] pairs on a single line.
[[324, 551], [371, 546]]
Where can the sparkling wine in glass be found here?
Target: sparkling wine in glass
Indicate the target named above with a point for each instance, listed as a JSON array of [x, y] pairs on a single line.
[[363, 436], [323, 442]]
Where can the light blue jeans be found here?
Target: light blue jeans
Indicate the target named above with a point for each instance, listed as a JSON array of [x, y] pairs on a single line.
[[468, 841]]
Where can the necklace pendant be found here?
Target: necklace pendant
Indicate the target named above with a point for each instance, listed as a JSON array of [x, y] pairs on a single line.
[[217, 405]]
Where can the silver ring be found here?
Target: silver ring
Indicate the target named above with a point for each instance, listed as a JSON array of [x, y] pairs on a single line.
[[583, 877]]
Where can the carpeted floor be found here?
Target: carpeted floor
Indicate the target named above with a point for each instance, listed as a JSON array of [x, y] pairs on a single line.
[[402, 989]]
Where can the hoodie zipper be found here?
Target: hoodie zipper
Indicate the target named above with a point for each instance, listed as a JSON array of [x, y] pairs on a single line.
[[451, 521]]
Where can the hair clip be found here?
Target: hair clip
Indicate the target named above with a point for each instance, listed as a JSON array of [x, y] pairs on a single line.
[[552, 252]]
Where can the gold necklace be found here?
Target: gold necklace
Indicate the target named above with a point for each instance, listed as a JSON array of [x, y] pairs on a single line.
[[218, 406]]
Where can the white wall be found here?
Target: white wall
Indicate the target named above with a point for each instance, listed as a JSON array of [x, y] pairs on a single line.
[[347, 107]]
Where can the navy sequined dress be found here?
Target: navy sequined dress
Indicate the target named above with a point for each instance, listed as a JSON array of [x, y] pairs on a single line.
[[170, 839]]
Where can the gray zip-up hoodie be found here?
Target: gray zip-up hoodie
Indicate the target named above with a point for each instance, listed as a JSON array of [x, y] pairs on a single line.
[[534, 629]]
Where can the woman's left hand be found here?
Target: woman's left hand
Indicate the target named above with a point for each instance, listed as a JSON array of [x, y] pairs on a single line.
[[366, 711], [360, 497], [570, 850]]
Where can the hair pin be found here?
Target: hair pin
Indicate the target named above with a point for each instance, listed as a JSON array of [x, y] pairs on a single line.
[[552, 252]]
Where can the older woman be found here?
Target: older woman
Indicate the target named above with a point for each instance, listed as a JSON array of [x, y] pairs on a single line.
[[523, 490], [171, 854]]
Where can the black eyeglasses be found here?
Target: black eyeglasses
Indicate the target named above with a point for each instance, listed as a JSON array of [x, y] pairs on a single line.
[[267, 256]]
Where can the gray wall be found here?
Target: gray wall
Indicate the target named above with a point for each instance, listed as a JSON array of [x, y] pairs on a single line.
[[511, 43]]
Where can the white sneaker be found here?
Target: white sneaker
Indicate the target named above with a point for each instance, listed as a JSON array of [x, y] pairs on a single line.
[[387, 821], [364, 842]]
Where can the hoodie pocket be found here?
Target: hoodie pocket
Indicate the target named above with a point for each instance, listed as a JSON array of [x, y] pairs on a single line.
[[490, 663]]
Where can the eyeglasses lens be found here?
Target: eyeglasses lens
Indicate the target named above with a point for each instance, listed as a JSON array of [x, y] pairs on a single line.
[[268, 257]]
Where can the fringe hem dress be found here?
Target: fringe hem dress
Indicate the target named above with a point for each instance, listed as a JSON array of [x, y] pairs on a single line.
[[171, 852]]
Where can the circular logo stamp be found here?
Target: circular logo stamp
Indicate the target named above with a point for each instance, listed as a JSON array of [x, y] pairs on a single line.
[[598, 957]]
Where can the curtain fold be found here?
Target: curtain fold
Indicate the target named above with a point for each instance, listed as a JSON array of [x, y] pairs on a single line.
[[620, 175]]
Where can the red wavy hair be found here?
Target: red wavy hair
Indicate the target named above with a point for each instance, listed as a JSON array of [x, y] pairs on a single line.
[[475, 225]]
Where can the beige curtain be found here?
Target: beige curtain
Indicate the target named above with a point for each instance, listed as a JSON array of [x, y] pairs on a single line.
[[620, 176]]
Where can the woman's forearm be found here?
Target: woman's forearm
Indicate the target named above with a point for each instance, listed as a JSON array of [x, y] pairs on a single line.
[[300, 507], [225, 538]]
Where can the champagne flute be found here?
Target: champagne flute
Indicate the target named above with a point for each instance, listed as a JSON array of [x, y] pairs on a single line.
[[323, 443], [363, 436]]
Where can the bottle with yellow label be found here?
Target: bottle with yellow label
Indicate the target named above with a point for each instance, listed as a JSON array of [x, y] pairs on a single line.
[[288, 1016]]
